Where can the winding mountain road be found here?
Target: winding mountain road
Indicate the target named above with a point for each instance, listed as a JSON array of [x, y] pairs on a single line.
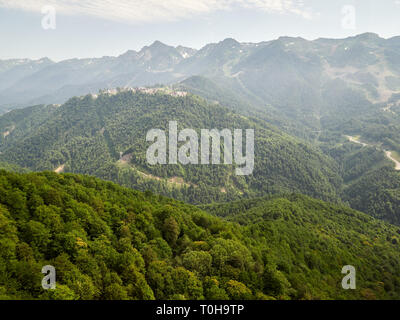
[[387, 153]]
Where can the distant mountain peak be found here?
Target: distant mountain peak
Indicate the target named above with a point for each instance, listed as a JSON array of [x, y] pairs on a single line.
[[229, 41], [186, 52], [44, 60], [368, 35], [293, 39], [129, 54], [158, 44]]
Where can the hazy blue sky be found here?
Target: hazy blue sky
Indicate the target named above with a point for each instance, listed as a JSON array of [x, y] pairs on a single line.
[[104, 27]]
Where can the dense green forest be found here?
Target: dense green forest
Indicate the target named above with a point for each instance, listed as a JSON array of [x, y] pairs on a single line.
[[105, 136], [111, 242], [12, 167], [370, 183], [378, 193]]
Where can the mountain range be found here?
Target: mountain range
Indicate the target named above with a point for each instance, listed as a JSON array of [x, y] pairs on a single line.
[[315, 72]]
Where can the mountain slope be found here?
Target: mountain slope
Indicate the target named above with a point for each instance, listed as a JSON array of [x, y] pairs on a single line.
[[298, 227], [378, 193], [105, 136], [109, 242]]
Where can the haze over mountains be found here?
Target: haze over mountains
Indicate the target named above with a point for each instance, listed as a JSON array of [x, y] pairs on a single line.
[[261, 73]]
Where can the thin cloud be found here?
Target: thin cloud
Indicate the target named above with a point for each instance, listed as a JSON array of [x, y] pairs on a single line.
[[280, 6], [140, 11]]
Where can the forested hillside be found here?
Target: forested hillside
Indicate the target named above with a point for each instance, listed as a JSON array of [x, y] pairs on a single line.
[[371, 179], [110, 242], [320, 92], [378, 193], [105, 136]]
